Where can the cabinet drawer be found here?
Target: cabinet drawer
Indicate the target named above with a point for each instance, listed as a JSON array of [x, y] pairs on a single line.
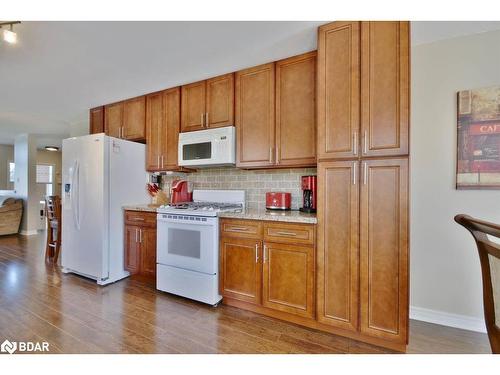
[[289, 233], [140, 218], [241, 228]]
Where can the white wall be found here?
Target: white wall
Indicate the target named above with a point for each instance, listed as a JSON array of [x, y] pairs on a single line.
[[25, 181], [6, 155], [445, 272]]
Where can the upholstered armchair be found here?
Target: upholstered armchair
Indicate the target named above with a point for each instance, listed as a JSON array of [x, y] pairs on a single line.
[[11, 211]]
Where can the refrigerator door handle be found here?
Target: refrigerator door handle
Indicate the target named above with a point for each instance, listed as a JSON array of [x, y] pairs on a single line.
[[75, 196]]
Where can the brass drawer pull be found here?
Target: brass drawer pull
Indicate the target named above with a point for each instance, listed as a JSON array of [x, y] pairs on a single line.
[[137, 219], [286, 234], [237, 229]]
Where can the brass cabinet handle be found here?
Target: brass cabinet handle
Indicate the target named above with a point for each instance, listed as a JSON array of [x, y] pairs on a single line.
[[287, 234], [365, 142], [202, 120], [206, 119], [162, 161], [158, 161], [355, 143], [270, 154], [140, 235], [136, 234], [354, 173], [265, 253], [237, 229], [365, 173], [138, 219], [256, 253]]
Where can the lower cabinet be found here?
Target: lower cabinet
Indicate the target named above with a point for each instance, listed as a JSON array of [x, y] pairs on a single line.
[[273, 275], [140, 244], [288, 278], [242, 272], [363, 247]]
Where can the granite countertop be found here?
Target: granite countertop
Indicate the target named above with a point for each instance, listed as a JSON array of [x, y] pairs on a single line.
[[286, 216], [139, 207]]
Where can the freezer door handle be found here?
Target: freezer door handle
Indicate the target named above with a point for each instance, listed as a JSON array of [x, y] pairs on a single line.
[[75, 194]]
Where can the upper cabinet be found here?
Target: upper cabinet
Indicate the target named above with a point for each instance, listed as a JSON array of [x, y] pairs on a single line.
[[96, 120], [162, 130], [126, 119], [113, 119], [134, 119], [276, 114], [208, 104], [338, 90], [255, 117], [363, 89], [384, 88], [296, 110]]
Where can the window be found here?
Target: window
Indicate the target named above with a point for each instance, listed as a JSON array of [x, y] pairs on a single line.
[[45, 176], [12, 168]]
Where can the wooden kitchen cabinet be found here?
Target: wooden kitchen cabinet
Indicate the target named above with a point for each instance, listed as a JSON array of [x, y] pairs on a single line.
[[288, 278], [260, 266], [255, 122], [148, 252], [296, 111], [134, 119], [140, 244], [240, 269], [338, 244], [384, 249], [385, 80], [208, 104], [96, 120], [363, 89], [113, 119], [338, 90], [127, 119], [162, 130], [193, 106], [132, 249]]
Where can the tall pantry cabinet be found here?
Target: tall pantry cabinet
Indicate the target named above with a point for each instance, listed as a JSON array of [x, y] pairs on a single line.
[[363, 126]]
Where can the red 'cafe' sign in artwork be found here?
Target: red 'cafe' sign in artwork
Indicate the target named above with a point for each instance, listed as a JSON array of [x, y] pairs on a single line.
[[478, 151]]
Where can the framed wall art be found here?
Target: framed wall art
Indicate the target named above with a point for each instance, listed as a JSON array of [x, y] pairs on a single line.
[[478, 138]]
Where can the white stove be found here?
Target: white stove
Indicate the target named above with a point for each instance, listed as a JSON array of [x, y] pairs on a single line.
[[187, 249], [208, 203]]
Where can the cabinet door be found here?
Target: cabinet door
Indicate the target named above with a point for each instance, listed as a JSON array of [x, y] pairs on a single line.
[[384, 88], [296, 110], [384, 249], [96, 120], [288, 278], [154, 127], [255, 117], [338, 90], [193, 106], [148, 252], [220, 101], [132, 249], [134, 119], [338, 251], [113, 119], [170, 130], [241, 269]]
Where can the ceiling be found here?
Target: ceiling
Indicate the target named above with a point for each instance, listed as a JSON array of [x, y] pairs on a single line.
[[58, 70]]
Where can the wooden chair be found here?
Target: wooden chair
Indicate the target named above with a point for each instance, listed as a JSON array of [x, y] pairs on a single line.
[[489, 256], [53, 214]]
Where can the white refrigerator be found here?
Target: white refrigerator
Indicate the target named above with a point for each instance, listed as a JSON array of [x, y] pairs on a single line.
[[100, 175]]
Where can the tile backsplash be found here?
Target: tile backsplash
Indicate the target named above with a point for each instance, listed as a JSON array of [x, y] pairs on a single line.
[[255, 182]]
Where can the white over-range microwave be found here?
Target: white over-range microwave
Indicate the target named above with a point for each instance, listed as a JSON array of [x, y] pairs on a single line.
[[208, 148]]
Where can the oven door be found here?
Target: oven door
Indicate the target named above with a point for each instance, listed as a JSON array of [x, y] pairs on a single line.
[[188, 242]]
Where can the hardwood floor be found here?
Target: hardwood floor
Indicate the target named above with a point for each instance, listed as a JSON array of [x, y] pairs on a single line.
[[75, 315]]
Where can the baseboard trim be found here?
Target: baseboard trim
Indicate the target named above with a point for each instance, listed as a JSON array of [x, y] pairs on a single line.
[[28, 232], [447, 319]]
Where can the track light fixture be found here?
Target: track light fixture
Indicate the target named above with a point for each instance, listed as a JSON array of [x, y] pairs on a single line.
[[9, 35]]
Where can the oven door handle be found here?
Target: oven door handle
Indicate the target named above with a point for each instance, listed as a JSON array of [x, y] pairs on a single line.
[[186, 222]]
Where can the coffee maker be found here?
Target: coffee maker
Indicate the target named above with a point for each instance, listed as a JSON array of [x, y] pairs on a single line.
[[309, 193]]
